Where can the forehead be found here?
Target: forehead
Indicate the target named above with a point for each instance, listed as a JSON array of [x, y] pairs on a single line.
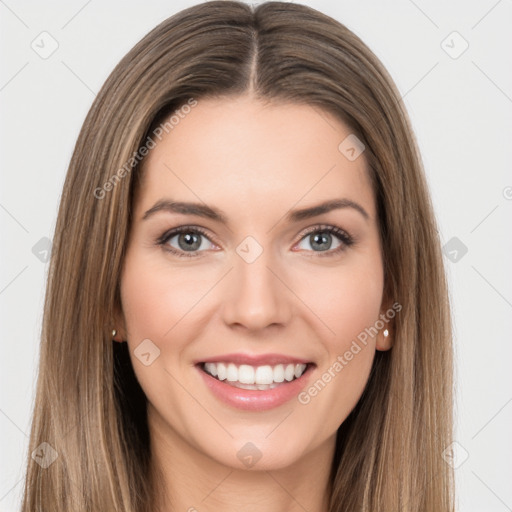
[[247, 154]]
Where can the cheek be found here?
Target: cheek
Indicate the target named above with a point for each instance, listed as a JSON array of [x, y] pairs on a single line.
[[156, 299], [147, 301], [346, 300], [156, 296]]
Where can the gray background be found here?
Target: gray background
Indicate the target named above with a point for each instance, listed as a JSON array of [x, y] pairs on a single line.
[[460, 105]]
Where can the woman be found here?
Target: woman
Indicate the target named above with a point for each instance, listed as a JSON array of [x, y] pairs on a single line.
[[246, 306]]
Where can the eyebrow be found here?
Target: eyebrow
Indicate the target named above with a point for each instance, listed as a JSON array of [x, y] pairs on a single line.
[[203, 210]]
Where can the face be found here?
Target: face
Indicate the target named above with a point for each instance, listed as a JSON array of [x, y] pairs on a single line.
[[231, 262]]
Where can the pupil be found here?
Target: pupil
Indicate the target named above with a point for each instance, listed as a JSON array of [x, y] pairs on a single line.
[[319, 239], [189, 241]]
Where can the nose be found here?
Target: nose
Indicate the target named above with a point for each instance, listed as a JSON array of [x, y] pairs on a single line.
[[255, 295]]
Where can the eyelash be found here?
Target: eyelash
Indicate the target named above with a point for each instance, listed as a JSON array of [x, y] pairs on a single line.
[[345, 239]]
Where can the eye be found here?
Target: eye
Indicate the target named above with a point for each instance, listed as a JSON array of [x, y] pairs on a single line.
[[191, 241], [325, 239], [185, 241]]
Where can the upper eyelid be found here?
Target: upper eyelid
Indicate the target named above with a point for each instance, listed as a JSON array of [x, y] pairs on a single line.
[[171, 233]]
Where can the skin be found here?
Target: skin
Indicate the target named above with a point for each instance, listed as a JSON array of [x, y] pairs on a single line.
[[255, 162]]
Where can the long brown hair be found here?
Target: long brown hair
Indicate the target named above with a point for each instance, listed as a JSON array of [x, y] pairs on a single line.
[[90, 410]]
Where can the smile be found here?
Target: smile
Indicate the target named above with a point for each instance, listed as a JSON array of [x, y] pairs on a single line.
[[255, 388], [245, 376]]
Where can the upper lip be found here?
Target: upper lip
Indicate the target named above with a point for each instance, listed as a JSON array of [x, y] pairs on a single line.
[[254, 360]]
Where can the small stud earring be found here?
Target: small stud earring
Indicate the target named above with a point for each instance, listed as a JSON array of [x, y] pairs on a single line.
[[114, 332], [386, 333]]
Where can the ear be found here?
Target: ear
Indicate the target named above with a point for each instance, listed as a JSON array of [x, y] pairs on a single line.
[[384, 339], [119, 325], [385, 336]]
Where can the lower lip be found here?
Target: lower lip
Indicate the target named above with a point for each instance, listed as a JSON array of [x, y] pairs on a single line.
[[255, 400]]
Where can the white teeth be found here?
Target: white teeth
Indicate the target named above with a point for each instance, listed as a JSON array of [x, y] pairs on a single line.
[[232, 373], [221, 371], [289, 372], [211, 368], [260, 376], [279, 373], [246, 374], [298, 371], [264, 375]]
